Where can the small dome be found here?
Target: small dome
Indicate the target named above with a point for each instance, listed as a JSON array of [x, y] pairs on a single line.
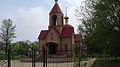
[[67, 31]]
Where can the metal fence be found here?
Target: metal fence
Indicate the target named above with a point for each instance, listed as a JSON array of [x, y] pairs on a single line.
[[34, 59], [42, 59], [106, 61]]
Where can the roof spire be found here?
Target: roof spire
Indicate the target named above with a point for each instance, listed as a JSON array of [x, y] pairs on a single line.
[[56, 8], [56, 1], [66, 17]]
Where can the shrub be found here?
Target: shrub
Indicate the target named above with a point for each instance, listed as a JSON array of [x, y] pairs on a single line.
[[3, 57], [16, 57]]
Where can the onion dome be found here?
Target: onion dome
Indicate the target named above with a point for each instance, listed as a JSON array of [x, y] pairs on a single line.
[[67, 31]]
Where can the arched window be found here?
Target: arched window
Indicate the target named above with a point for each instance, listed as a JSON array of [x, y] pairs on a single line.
[[54, 19]]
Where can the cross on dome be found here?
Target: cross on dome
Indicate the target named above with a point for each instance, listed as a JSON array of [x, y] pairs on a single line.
[[66, 11], [66, 17], [56, 1]]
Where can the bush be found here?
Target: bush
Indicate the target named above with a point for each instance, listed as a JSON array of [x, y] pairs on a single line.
[[16, 57], [19, 57], [3, 57]]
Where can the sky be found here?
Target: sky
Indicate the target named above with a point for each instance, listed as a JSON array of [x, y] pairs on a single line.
[[32, 16]]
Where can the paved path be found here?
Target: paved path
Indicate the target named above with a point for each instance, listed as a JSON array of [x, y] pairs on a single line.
[[88, 63], [17, 63], [3, 63]]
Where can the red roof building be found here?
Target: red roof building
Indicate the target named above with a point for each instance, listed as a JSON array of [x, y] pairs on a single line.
[[43, 34], [60, 36]]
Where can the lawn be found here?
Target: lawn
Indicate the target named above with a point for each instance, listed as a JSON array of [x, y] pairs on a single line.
[[107, 62], [13, 57]]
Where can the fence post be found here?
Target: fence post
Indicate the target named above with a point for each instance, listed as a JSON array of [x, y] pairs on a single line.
[[79, 56], [43, 57], [46, 57], [9, 58], [33, 58], [79, 61], [115, 61]]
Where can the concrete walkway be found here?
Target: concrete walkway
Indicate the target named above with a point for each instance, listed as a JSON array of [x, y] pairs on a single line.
[[3, 63], [17, 63], [88, 63]]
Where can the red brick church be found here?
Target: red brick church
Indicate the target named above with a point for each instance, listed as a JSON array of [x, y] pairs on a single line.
[[60, 35]]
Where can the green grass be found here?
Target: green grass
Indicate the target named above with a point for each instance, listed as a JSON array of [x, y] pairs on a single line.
[[107, 62], [16, 57], [109, 58], [3, 57], [13, 57], [19, 57]]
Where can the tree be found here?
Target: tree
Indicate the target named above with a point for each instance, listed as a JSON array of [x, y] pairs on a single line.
[[7, 32], [101, 21], [1, 45], [20, 46], [35, 45]]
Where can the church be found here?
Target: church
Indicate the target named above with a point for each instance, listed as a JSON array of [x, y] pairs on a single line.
[[60, 37]]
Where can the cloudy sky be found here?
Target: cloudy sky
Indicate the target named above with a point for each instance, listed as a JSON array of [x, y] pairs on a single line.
[[31, 16]]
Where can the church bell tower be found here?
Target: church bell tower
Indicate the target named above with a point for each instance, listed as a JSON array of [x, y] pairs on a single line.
[[56, 17]]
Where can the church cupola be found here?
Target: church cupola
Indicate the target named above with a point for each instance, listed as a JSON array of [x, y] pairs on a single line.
[[56, 17]]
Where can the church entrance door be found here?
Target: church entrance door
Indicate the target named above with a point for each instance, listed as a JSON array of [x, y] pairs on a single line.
[[52, 48]]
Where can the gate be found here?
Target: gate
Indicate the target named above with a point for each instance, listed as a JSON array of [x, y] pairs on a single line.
[[10, 58], [60, 60], [42, 59], [45, 60], [5, 58]]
